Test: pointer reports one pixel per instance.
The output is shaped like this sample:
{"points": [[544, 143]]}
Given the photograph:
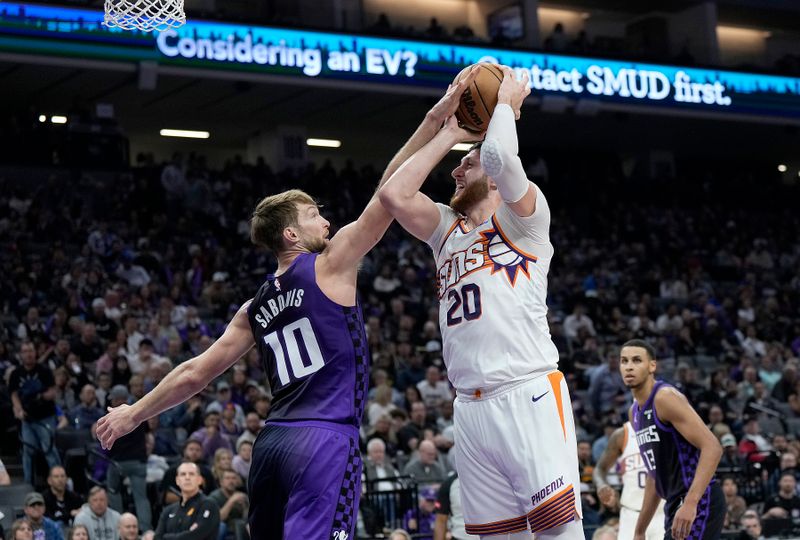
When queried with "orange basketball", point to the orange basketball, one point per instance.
{"points": [[479, 99]]}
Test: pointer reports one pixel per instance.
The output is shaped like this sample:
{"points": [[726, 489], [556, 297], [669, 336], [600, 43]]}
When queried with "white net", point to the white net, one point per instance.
{"points": [[145, 15]]}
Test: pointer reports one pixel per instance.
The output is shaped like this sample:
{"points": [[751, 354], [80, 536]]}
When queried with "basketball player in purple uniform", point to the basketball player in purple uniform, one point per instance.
{"points": [[307, 325], [679, 451]]}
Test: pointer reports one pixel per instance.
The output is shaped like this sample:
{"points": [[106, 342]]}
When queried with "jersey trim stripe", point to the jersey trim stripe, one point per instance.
{"points": [[513, 525], [555, 379], [558, 510], [452, 228]]}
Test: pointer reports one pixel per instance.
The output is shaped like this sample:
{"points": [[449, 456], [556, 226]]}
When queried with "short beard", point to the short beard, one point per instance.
{"points": [[470, 196], [316, 245]]}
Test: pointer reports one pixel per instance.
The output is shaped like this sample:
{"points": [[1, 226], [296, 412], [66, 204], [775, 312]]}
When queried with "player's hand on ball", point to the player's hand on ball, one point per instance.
{"points": [[117, 423], [512, 91], [459, 134], [682, 524], [447, 105]]}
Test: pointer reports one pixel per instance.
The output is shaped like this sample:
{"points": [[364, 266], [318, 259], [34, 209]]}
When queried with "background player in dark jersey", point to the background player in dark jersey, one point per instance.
{"points": [[305, 321], [679, 451]]}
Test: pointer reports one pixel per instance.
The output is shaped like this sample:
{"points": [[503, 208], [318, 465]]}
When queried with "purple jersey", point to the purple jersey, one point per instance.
{"points": [[670, 459], [314, 350]]}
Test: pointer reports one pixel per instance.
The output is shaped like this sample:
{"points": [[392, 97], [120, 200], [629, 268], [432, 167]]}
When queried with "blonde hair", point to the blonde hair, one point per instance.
{"points": [[273, 214]]}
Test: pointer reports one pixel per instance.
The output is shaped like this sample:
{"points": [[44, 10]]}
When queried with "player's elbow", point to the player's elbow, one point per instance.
{"points": [[391, 198], [714, 448]]}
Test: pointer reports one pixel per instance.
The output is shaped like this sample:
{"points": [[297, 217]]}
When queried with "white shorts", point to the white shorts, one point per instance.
{"points": [[627, 524], [516, 457]]}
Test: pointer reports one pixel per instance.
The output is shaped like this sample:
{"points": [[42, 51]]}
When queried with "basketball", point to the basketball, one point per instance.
{"points": [[480, 97], [501, 253]]}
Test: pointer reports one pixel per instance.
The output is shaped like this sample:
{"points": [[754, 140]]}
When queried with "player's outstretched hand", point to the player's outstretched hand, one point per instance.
{"points": [[682, 523], [447, 105], [117, 423], [513, 91]]}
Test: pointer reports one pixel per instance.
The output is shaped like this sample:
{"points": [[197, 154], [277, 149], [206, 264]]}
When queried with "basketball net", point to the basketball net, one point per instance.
{"points": [[144, 15]]}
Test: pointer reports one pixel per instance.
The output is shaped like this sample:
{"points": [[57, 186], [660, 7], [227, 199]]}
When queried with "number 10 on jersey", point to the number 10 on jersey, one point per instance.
{"points": [[291, 332]]}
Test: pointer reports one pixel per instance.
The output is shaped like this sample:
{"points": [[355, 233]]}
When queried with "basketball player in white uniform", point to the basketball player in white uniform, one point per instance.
{"points": [[516, 452], [622, 453]]}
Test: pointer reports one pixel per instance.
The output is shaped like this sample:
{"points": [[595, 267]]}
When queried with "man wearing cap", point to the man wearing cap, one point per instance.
{"points": [[730, 452], [195, 516], [423, 528], [223, 398], [130, 453], [43, 527]]}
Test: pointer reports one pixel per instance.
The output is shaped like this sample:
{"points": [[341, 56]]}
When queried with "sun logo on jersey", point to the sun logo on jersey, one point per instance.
{"points": [[491, 250], [504, 256]]}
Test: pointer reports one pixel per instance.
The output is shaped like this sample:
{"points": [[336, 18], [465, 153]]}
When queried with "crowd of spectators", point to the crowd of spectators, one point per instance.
{"points": [[108, 283]]}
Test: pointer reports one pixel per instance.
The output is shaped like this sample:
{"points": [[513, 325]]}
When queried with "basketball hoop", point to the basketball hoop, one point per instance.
{"points": [[144, 15]]}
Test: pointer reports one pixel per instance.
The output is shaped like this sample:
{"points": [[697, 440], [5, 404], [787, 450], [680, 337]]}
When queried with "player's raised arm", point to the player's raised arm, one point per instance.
{"points": [[181, 383], [674, 408], [613, 450], [414, 210], [353, 241], [499, 150]]}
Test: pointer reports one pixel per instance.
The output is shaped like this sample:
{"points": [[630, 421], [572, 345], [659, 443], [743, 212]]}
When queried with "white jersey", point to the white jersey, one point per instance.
{"points": [[633, 473], [492, 286]]}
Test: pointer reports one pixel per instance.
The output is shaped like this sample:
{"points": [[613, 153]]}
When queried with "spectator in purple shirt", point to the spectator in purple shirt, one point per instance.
{"points": [[211, 437]]}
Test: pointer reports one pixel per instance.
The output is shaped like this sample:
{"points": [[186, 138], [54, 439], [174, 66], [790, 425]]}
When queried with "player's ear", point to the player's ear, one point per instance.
{"points": [[492, 185], [291, 235]]}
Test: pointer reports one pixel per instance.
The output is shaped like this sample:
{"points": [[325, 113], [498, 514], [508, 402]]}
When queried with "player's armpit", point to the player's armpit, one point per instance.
{"points": [[353, 241]]}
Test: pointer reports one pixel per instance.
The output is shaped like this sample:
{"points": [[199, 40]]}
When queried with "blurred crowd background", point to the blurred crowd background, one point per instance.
{"points": [[108, 283]]}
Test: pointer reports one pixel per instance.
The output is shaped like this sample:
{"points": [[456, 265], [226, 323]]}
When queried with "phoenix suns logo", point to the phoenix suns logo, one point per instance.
{"points": [[491, 251]]}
